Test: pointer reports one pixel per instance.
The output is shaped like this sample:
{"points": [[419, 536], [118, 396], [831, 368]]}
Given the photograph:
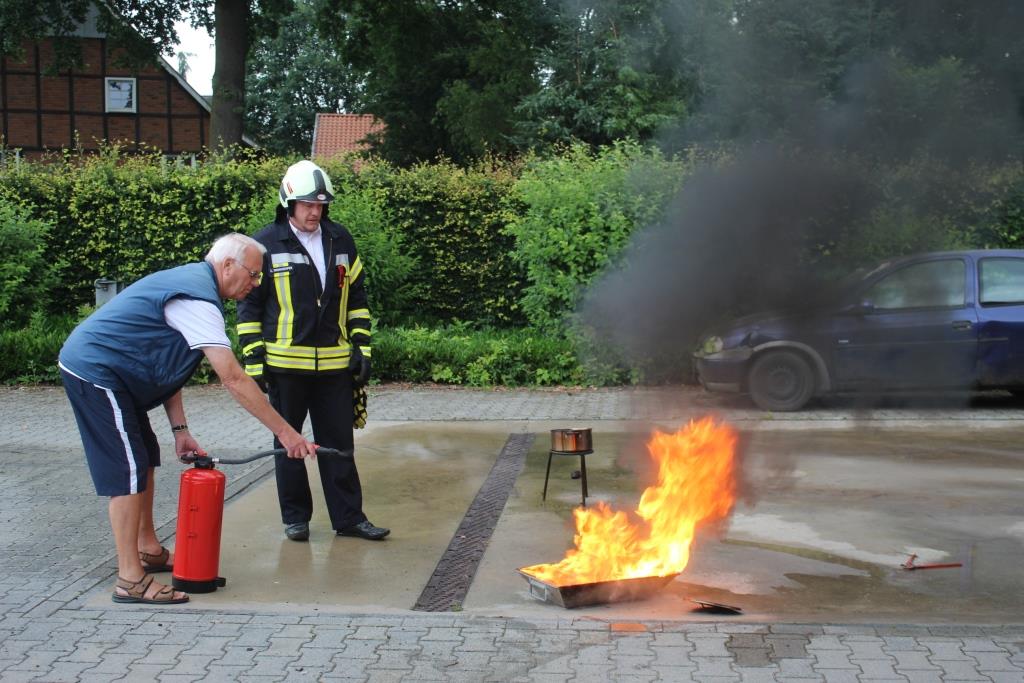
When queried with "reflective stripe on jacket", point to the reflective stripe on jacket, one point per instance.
{"points": [[291, 322]]}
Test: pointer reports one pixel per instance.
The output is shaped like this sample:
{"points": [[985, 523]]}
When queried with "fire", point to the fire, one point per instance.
{"points": [[696, 484]]}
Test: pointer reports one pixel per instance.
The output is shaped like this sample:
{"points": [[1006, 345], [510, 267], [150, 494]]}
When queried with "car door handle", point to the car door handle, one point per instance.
{"points": [[961, 324]]}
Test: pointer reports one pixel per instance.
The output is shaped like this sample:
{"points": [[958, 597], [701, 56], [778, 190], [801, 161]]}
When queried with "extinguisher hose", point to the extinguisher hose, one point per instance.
{"points": [[328, 452]]}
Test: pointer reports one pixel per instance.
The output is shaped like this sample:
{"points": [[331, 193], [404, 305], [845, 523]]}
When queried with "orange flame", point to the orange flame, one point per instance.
{"points": [[696, 484]]}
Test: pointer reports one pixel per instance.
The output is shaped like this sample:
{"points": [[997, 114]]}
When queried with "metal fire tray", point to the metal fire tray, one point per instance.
{"points": [[598, 593]]}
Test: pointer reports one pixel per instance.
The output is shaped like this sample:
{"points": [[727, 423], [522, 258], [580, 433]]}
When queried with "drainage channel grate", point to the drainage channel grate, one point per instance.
{"points": [[450, 582]]}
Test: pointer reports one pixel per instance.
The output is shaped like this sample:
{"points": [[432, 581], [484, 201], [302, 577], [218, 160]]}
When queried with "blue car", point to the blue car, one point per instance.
{"points": [[943, 320]]}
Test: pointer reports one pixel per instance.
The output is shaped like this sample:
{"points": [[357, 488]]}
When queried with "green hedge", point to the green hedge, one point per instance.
{"points": [[453, 219], [579, 212], [499, 246]]}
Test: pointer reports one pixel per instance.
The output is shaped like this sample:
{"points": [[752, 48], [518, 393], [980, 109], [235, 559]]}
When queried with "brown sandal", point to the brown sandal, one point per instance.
{"points": [[154, 564], [136, 592]]}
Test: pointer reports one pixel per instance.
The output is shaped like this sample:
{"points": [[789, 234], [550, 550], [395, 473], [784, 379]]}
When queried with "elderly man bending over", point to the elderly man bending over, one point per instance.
{"points": [[137, 352]]}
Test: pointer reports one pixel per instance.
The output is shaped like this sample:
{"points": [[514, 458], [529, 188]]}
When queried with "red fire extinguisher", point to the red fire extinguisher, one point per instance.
{"points": [[200, 513]]}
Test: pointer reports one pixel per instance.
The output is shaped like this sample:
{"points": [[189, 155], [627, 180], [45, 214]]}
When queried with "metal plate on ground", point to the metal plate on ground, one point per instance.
{"points": [[597, 593], [715, 607]]}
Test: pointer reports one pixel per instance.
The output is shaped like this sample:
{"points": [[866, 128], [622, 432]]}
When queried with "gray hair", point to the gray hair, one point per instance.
{"points": [[232, 246]]}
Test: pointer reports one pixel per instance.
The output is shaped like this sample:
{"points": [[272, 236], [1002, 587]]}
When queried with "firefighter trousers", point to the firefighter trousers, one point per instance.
{"points": [[327, 400]]}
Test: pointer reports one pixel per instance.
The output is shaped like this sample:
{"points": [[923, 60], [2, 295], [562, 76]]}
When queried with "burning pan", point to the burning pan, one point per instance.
{"points": [[572, 440], [599, 593]]}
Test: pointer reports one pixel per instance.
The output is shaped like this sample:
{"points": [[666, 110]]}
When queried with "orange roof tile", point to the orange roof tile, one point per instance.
{"points": [[335, 134]]}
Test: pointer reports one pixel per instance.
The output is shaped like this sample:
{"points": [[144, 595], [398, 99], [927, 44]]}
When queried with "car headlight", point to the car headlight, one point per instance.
{"points": [[712, 345]]}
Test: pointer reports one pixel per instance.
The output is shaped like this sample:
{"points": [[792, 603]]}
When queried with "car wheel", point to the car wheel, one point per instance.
{"points": [[781, 381]]}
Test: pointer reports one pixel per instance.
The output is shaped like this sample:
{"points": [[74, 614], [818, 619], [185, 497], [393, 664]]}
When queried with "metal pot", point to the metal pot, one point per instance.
{"points": [[571, 440]]}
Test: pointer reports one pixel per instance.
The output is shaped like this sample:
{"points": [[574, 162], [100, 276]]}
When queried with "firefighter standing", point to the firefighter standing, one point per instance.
{"points": [[305, 333]]}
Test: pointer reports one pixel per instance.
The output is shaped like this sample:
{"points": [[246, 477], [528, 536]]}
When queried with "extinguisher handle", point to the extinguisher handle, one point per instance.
{"points": [[329, 452]]}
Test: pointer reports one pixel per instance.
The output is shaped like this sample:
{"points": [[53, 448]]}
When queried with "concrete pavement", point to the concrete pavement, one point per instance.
{"points": [[56, 565]]}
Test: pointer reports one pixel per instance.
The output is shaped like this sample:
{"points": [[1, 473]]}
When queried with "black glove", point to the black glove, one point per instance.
{"points": [[262, 384], [359, 366]]}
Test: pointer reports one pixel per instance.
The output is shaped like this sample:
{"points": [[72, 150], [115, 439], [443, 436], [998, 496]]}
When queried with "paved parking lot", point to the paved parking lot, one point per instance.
{"points": [[56, 558]]}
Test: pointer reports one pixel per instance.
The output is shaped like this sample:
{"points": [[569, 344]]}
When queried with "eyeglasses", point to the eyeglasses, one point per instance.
{"points": [[256, 275]]}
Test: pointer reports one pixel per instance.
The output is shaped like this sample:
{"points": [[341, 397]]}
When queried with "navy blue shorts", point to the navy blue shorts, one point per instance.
{"points": [[120, 445]]}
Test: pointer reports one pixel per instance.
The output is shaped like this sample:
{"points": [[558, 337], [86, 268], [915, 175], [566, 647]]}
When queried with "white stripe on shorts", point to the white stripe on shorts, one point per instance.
{"points": [[133, 478]]}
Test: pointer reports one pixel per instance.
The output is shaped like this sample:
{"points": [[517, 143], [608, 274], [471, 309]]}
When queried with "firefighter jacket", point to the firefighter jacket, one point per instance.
{"points": [[292, 324]]}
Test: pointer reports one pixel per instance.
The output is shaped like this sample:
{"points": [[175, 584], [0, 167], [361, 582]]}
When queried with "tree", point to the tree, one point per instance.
{"points": [[290, 78], [617, 70], [443, 76]]}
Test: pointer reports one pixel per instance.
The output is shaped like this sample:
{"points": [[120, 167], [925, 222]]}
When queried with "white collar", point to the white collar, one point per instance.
{"points": [[305, 237]]}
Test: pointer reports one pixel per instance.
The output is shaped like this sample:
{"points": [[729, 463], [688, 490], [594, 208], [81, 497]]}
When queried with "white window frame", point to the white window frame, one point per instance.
{"points": [[113, 108]]}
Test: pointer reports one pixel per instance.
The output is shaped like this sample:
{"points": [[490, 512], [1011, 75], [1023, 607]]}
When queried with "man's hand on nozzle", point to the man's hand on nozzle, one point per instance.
{"points": [[296, 444], [359, 366]]}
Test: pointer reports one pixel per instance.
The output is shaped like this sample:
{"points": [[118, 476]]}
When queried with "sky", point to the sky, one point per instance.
{"points": [[200, 62]]}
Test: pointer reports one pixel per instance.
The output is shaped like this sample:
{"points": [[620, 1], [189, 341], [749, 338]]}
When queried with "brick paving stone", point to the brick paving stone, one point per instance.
{"points": [[709, 645], [685, 627], [994, 661], [405, 638], [593, 672], [284, 647], [746, 640], [674, 673], [239, 656], [369, 632], [265, 665], [352, 665], [850, 630], [840, 676], [787, 647], [826, 642], [86, 652], [713, 666], [867, 649], [141, 672], [443, 633], [833, 659], [329, 637], [751, 657], [921, 676], [361, 649], [191, 665], [799, 629], [671, 656], [392, 659], [756, 675], [912, 660], [943, 650], [956, 630], [1005, 677], [631, 665], [973, 644], [959, 669], [799, 668], [901, 643], [875, 669], [512, 653], [314, 657]]}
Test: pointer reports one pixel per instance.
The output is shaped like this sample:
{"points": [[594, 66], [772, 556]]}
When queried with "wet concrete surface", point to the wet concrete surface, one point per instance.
{"points": [[826, 518]]}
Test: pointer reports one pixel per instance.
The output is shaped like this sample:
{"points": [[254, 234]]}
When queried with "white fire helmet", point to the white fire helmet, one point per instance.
{"points": [[306, 182]]}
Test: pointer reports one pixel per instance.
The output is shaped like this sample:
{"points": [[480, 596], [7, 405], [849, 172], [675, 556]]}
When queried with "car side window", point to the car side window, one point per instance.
{"points": [[934, 284], [1001, 281]]}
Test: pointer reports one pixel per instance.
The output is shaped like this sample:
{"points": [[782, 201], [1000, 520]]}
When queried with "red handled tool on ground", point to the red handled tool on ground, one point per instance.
{"points": [[200, 514], [909, 564]]}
